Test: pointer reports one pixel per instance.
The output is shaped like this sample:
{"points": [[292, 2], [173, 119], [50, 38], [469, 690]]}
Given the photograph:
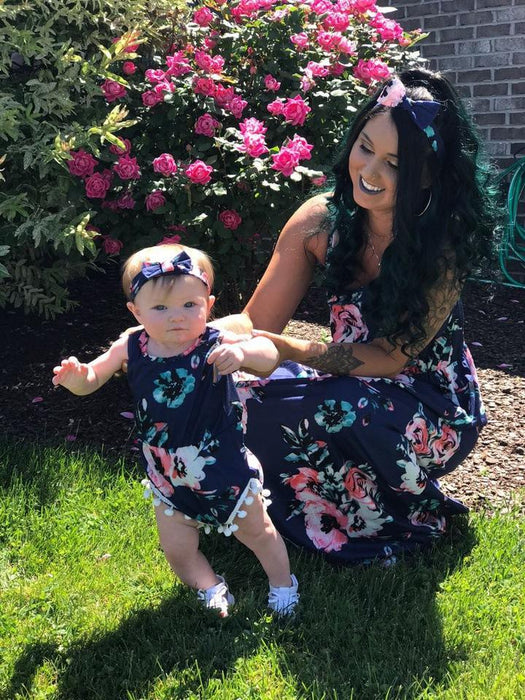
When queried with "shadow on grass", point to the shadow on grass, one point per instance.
{"points": [[363, 633]]}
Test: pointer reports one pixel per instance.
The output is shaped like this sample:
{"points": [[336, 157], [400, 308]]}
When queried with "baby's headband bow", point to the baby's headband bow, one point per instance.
{"points": [[181, 264], [422, 112]]}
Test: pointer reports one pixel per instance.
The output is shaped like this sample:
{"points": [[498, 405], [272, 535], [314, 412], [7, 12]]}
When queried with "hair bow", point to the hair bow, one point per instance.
{"points": [[181, 264], [422, 112]]}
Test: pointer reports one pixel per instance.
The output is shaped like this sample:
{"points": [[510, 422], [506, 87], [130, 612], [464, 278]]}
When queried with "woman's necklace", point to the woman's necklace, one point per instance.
{"points": [[372, 248]]}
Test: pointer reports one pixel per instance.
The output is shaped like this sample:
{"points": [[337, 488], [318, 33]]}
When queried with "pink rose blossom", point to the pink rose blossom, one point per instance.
{"points": [[337, 69], [271, 83], [127, 168], [361, 6], [347, 46], [372, 70], [230, 219], [300, 40], [295, 110], [254, 145], [111, 246], [112, 90], [318, 70], [236, 106], [285, 161], [319, 181], [205, 86], [307, 83], [178, 64], [206, 125], [97, 186], [328, 40], [210, 64], [177, 227], [223, 95], [82, 163], [165, 164], [117, 151], [151, 98], [126, 201], [155, 200], [128, 67], [155, 75], [275, 107], [321, 6], [300, 146], [337, 21], [203, 16], [252, 126], [199, 173], [388, 29], [170, 240]]}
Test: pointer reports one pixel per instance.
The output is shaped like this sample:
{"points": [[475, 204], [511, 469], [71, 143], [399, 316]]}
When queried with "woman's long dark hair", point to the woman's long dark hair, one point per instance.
{"points": [[455, 233]]}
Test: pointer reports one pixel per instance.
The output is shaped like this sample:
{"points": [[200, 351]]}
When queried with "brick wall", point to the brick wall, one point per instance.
{"points": [[480, 46]]}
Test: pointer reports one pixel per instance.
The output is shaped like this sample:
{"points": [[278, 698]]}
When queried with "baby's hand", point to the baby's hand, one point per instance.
{"points": [[71, 374], [227, 358]]}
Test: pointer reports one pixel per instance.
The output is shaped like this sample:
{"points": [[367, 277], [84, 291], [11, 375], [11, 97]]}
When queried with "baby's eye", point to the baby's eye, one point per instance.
{"points": [[189, 304], [159, 307]]}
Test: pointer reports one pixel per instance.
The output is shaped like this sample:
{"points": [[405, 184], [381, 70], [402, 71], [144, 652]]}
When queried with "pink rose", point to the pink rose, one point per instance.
{"points": [[203, 16], [254, 145], [170, 240], [82, 163], [322, 6], [327, 40], [128, 67], [178, 64], [204, 86], [112, 90], [307, 83], [199, 173], [319, 182], [285, 161], [295, 110], [252, 126], [97, 186], [318, 70], [165, 164], [210, 64], [111, 246], [300, 40], [236, 106], [127, 168], [388, 29], [338, 21], [126, 201], [155, 75], [116, 150], [230, 219], [206, 125], [275, 107], [271, 83], [151, 98], [300, 146], [347, 46], [155, 200], [223, 95], [361, 6], [369, 71]]}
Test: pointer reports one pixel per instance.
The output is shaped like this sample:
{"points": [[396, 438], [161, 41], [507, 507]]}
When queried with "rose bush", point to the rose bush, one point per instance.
{"points": [[228, 129]]}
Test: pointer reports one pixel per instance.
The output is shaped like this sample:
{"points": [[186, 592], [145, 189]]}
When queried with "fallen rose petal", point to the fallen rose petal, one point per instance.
{"points": [[37, 399], [504, 365], [71, 438], [502, 318], [515, 301], [127, 414], [478, 345]]}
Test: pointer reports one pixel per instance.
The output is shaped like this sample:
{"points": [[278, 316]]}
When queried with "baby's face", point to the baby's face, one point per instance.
{"points": [[173, 311]]}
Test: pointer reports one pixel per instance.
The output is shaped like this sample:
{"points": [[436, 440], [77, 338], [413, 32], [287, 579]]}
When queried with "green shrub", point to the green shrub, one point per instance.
{"points": [[226, 185]]}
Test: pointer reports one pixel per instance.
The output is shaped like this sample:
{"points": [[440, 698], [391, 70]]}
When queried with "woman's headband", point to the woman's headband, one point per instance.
{"points": [[422, 112], [181, 264]]}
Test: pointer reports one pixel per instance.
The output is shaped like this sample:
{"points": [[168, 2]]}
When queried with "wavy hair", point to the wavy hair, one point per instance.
{"points": [[456, 234]]}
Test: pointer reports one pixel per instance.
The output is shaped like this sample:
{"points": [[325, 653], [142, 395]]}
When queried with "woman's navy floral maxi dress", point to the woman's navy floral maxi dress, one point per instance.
{"points": [[352, 462]]}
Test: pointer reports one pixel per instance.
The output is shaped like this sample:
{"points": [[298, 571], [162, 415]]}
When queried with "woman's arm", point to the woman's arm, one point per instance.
{"points": [[82, 379], [256, 355], [379, 357]]}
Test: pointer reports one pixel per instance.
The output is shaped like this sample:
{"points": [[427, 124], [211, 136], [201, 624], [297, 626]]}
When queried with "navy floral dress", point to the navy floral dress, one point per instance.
{"points": [[191, 434], [352, 462]]}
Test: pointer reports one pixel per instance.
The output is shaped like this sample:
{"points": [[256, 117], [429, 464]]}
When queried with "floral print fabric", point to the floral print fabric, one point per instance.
{"points": [[353, 462], [191, 434]]}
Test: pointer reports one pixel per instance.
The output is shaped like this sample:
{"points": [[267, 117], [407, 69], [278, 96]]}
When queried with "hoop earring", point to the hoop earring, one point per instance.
{"points": [[428, 203]]}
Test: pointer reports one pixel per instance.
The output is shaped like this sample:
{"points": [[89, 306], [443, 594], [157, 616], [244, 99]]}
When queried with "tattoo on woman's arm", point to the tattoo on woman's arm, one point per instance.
{"points": [[338, 359]]}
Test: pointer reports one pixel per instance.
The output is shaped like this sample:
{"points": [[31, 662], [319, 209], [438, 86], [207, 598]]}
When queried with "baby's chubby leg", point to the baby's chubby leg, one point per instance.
{"points": [[257, 532], [179, 539]]}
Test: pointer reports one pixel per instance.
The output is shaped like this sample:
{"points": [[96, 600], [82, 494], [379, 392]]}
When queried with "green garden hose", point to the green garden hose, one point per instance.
{"points": [[512, 250]]}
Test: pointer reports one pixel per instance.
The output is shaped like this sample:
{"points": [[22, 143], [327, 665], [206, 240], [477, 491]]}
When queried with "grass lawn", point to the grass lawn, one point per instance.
{"points": [[89, 608]]}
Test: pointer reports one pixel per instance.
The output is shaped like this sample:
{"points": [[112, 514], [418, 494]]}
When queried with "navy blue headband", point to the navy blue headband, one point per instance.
{"points": [[181, 264], [422, 112]]}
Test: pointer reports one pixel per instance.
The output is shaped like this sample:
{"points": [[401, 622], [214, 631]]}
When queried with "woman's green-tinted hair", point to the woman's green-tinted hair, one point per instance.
{"points": [[455, 233]]}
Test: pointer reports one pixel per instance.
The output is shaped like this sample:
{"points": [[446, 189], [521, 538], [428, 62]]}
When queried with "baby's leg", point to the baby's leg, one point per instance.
{"points": [[179, 539], [258, 533]]}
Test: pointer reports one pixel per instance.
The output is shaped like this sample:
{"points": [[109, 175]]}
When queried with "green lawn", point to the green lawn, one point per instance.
{"points": [[89, 609]]}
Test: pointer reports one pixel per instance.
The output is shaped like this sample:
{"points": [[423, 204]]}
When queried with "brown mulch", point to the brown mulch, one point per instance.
{"points": [[33, 411]]}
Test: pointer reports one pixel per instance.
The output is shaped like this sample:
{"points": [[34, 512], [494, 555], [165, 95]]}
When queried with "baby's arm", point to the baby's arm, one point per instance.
{"points": [[252, 355], [82, 379]]}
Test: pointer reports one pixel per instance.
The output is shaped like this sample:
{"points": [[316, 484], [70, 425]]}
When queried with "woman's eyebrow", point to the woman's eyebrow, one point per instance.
{"points": [[365, 135]]}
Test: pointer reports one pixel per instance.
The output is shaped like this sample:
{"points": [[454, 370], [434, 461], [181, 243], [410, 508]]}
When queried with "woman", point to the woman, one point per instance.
{"points": [[352, 461]]}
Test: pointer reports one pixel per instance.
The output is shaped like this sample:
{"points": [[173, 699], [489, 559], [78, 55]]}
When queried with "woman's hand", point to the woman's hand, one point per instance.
{"points": [[295, 349]]}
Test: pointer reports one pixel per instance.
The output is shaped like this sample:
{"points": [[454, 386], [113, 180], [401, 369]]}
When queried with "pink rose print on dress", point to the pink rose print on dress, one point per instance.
{"points": [[445, 444], [156, 478], [347, 324], [325, 525], [306, 484], [184, 467], [360, 487]]}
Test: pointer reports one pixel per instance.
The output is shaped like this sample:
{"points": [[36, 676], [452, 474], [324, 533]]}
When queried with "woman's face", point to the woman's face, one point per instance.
{"points": [[373, 164]]}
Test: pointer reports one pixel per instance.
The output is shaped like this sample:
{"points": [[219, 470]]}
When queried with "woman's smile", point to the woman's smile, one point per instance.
{"points": [[368, 187]]}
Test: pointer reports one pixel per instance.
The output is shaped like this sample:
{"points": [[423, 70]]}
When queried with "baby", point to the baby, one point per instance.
{"points": [[190, 420]]}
